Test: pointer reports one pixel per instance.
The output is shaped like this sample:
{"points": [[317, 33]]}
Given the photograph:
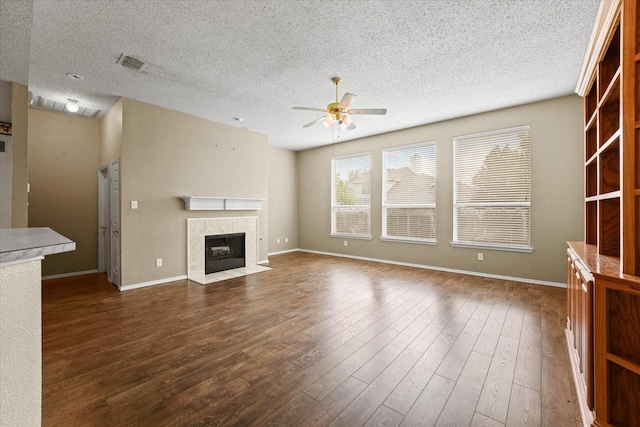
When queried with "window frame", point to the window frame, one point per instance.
{"points": [[336, 208], [416, 240], [488, 245]]}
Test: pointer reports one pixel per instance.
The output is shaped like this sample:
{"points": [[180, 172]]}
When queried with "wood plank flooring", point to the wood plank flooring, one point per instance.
{"points": [[315, 341]]}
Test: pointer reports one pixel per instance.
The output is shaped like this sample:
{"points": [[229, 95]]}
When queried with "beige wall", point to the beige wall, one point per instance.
{"points": [[63, 169], [283, 200], [19, 120], [166, 154], [6, 176], [111, 135], [556, 201]]}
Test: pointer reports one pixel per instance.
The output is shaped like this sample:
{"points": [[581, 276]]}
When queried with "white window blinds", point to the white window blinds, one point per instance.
{"points": [[492, 189], [409, 192], [351, 195]]}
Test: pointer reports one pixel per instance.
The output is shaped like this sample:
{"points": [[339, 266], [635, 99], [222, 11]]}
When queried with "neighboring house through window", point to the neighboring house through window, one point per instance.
{"points": [[351, 196], [409, 193], [492, 190]]}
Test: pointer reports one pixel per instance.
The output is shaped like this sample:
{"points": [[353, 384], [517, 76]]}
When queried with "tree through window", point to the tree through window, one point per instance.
{"points": [[492, 189], [351, 196]]}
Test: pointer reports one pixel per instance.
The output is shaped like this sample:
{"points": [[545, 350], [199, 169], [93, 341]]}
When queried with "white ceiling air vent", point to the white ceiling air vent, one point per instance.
{"points": [[52, 104], [131, 63]]}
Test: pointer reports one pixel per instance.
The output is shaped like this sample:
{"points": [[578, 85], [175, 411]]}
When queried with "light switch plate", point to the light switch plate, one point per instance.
{"points": [[134, 204]]}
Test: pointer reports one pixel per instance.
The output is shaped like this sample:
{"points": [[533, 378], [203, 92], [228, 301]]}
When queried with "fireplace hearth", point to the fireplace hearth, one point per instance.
{"points": [[224, 252], [197, 231]]}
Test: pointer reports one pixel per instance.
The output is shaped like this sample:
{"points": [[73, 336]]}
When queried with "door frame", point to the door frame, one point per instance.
{"points": [[108, 246], [103, 219]]}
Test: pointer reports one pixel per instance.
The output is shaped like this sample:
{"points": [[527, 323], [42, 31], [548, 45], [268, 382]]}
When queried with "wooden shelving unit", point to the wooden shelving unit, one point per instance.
{"points": [[603, 273]]}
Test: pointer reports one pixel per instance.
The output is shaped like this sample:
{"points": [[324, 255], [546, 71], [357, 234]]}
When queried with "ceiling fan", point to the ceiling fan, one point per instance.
{"points": [[337, 111]]}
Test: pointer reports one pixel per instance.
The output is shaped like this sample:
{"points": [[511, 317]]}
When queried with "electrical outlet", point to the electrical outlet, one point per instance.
{"points": [[480, 256], [278, 241], [134, 204], [159, 262], [346, 243], [286, 240]]}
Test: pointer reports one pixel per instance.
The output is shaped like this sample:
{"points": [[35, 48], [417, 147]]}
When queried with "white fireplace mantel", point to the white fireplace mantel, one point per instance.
{"points": [[204, 203]]}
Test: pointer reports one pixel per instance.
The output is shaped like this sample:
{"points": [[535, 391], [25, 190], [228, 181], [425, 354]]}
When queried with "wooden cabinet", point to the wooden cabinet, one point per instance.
{"points": [[603, 336], [603, 273], [580, 330]]}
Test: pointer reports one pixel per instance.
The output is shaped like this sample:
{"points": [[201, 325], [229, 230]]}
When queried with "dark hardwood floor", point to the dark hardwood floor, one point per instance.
{"points": [[318, 340]]}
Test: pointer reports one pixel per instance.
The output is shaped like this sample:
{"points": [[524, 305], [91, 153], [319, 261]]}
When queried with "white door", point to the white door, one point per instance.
{"points": [[103, 220], [114, 222]]}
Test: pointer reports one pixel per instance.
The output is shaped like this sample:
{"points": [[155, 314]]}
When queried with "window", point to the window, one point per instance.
{"points": [[409, 193], [351, 196], [492, 189]]}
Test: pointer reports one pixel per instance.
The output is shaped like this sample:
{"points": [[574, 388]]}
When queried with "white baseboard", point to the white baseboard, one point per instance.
{"points": [[578, 381], [265, 261], [75, 273], [151, 283], [449, 270], [283, 252]]}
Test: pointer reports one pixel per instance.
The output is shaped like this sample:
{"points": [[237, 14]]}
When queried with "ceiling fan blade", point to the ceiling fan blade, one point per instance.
{"points": [[378, 111], [351, 126], [322, 110], [346, 100], [314, 122]]}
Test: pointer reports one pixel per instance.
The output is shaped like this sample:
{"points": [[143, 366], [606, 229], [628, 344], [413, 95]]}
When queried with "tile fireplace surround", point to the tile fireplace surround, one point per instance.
{"points": [[198, 228]]}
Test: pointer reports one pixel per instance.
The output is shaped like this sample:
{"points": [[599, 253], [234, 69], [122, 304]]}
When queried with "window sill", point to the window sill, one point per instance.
{"points": [[414, 241], [351, 236], [525, 249]]}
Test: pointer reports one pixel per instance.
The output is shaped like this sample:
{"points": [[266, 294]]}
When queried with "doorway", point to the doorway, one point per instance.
{"points": [[109, 221]]}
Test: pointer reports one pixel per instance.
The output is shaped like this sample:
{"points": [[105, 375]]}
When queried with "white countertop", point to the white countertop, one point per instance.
{"points": [[24, 243]]}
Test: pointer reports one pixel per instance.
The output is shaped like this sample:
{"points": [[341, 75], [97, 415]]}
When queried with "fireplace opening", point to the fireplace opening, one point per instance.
{"points": [[223, 252]]}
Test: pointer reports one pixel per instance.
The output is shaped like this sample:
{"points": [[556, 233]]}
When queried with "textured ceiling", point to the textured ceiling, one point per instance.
{"points": [[425, 61]]}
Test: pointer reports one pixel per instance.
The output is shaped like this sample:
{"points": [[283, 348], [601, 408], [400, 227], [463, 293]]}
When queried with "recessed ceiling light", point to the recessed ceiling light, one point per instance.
{"points": [[72, 106], [75, 76]]}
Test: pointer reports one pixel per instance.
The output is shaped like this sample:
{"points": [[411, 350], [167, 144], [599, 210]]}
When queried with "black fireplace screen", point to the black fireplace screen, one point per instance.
{"points": [[223, 252]]}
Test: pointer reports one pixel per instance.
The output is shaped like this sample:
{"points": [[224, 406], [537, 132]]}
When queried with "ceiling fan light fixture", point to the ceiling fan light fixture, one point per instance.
{"points": [[328, 121], [338, 111]]}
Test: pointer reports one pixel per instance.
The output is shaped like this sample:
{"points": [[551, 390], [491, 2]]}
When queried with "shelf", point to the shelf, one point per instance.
{"points": [[609, 116], [591, 220], [623, 326], [609, 165], [611, 195], [624, 362], [610, 64], [611, 93], [591, 141], [624, 396], [612, 139], [591, 103], [591, 180], [609, 227], [203, 203]]}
